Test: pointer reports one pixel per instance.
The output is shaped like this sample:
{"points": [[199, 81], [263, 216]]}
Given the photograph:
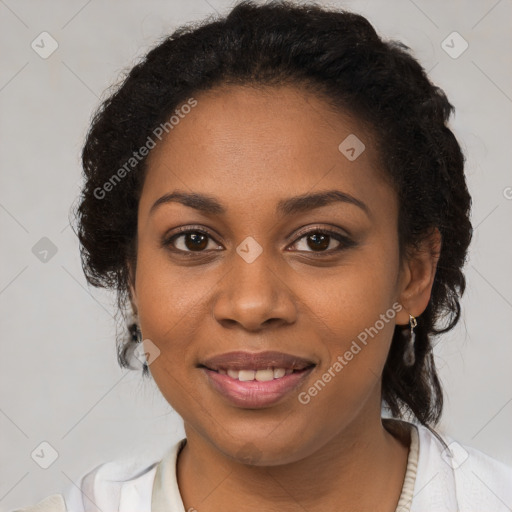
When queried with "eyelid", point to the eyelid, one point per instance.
{"points": [[167, 239], [344, 241], [319, 227]]}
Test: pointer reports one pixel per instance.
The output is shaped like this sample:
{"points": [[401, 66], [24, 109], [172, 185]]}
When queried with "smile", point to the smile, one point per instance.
{"points": [[262, 375], [248, 390]]}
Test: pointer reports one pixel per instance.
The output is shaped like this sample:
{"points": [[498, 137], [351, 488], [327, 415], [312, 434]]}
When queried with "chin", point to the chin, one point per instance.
{"points": [[262, 452]]}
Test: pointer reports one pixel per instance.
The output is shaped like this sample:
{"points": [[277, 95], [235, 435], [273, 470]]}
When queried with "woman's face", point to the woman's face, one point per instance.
{"points": [[267, 277]]}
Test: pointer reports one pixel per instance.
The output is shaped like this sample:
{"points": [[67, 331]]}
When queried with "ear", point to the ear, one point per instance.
{"points": [[418, 273]]}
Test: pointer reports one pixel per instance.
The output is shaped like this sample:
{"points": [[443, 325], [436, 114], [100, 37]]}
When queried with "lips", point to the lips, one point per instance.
{"points": [[241, 360]]}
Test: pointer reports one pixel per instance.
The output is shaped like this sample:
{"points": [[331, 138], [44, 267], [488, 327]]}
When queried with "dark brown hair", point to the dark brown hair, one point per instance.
{"points": [[338, 55]]}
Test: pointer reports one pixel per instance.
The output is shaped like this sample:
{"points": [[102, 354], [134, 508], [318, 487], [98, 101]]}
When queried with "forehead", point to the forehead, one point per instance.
{"points": [[255, 144]]}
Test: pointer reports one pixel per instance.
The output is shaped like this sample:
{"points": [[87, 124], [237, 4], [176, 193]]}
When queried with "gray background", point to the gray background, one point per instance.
{"points": [[59, 378]]}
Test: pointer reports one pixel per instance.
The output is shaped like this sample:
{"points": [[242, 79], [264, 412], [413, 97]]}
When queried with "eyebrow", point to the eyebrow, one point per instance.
{"points": [[211, 206]]}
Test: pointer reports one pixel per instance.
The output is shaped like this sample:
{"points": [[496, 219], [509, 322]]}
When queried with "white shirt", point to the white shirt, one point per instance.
{"points": [[456, 478]]}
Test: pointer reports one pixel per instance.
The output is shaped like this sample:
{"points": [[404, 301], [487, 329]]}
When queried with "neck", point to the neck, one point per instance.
{"points": [[361, 468]]}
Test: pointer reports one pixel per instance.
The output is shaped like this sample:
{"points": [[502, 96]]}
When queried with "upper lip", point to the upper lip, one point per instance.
{"points": [[256, 360]]}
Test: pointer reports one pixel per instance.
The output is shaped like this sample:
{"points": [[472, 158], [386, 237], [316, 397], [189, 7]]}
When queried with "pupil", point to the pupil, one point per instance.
{"points": [[320, 241]]}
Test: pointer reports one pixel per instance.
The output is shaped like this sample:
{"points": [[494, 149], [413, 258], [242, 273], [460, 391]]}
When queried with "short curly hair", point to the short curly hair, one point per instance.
{"points": [[339, 56]]}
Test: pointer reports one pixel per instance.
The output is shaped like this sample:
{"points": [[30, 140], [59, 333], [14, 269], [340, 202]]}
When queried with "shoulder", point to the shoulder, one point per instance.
{"points": [[121, 484], [454, 476], [53, 503]]}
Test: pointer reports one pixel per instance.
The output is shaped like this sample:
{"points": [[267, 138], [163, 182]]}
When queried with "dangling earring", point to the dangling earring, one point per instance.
{"points": [[134, 328], [138, 333], [409, 354]]}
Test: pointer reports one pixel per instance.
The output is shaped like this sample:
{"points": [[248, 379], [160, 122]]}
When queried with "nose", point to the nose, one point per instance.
{"points": [[254, 296]]}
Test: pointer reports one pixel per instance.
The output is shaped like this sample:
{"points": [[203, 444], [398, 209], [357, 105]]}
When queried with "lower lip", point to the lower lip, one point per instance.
{"points": [[254, 394]]}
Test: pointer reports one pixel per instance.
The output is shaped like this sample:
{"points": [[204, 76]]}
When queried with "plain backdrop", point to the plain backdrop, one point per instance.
{"points": [[60, 383]]}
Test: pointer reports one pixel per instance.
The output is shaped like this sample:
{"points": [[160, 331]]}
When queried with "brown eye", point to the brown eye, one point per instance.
{"points": [[195, 241], [320, 241], [190, 240], [316, 241]]}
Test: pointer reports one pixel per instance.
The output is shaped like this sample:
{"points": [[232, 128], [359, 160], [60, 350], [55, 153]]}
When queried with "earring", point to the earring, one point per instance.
{"points": [[409, 355], [138, 333], [135, 332]]}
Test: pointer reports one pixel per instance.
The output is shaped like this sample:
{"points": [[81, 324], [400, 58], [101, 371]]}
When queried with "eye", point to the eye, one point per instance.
{"points": [[193, 240], [196, 240], [321, 241]]}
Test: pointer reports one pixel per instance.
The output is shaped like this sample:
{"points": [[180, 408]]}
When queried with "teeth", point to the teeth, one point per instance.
{"points": [[233, 374], [259, 375], [246, 375], [264, 375]]}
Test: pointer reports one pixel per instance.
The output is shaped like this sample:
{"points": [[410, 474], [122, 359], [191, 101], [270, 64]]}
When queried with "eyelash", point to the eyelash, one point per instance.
{"points": [[345, 242]]}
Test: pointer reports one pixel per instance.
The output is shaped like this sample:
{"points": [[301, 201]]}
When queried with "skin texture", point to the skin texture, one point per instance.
{"points": [[250, 148]]}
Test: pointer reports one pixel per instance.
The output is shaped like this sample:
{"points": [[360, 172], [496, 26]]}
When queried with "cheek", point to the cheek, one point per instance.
{"points": [[166, 303], [170, 301], [357, 328], [352, 297], [166, 294], [359, 324], [357, 307]]}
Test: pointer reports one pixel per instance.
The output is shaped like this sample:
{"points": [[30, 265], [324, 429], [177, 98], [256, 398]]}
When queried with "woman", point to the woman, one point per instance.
{"points": [[277, 199]]}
